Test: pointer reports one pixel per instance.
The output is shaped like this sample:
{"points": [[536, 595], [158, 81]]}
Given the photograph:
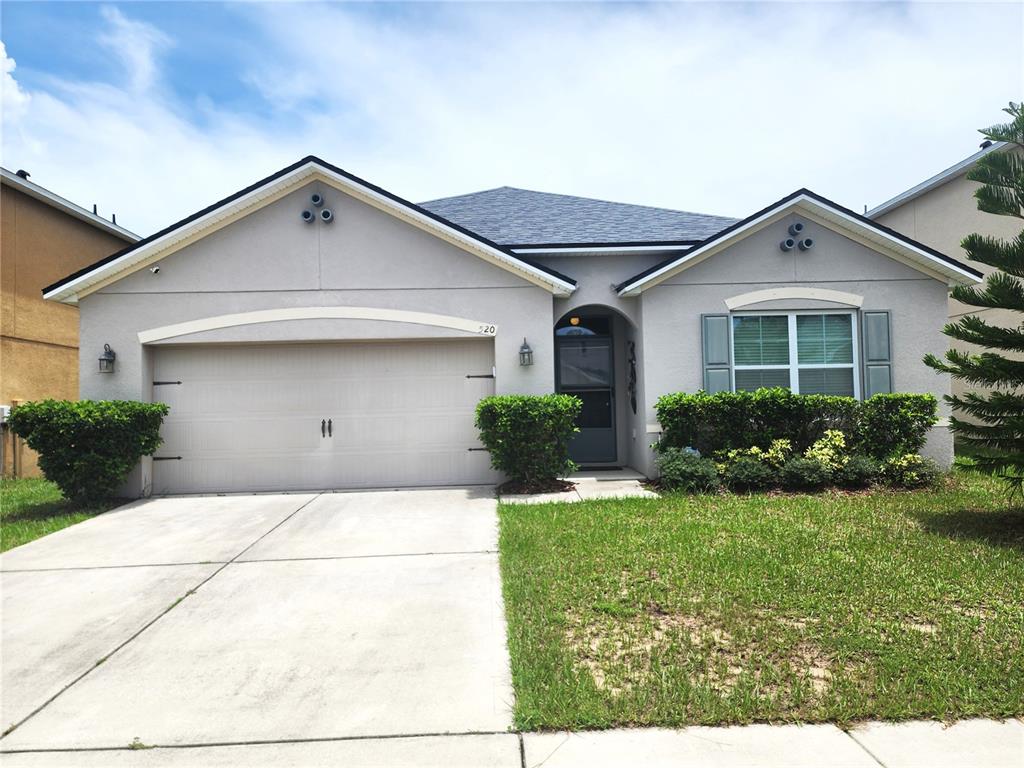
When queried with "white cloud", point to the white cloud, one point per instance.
{"points": [[717, 108], [136, 44], [13, 100]]}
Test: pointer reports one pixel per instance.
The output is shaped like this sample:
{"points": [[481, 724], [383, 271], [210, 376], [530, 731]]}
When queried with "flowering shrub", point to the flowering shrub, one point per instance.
{"points": [[910, 470], [829, 451], [774, 456]]}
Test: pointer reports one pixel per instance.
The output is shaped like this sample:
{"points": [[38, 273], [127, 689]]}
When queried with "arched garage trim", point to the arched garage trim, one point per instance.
{"points": [[217, 322], [795, 292]]}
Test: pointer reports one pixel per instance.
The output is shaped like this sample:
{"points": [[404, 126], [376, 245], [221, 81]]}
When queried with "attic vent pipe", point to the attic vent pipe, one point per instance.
{"points": [[984, 145], [22, 173]]}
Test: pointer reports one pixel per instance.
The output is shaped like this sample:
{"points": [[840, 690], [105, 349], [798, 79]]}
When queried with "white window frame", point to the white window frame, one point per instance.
{"points": [[795, 366]]}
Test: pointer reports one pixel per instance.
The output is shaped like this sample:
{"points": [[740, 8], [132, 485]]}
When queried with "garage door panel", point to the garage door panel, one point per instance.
{"points": [[249, 417], [401, 430], [255, 436]]}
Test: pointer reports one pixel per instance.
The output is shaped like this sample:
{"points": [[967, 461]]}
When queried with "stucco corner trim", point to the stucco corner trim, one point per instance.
{"points": [[794, 292], [217, 322]]}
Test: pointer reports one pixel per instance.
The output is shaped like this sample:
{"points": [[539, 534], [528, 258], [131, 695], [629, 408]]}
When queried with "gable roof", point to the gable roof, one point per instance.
{"points": [[310, 168], [59, 203], [906, 249], [523, 218], [935, 181]]}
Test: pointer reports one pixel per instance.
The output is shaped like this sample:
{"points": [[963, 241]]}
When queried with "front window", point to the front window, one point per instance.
{"points": [[806, 353]]}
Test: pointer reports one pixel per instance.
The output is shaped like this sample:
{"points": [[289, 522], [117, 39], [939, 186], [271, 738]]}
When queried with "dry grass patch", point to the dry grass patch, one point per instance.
{"points": [[733, 609]]}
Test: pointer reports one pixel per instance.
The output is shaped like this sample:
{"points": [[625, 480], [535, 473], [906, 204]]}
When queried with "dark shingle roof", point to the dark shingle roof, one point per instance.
{"points": [[512, 216]]}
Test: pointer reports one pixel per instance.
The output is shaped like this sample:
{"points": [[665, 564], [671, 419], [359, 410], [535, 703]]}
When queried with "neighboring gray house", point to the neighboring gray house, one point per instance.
{"points": [[316, 331], [940, 212]]}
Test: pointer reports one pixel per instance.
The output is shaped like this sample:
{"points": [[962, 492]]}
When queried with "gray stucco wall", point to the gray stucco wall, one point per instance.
{"points": [[271, 259], [917, 303], [367, 258]]}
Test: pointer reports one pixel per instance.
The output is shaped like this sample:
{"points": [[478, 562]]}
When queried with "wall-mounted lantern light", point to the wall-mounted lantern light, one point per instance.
{"points": [[107, 359], [525, 354]]}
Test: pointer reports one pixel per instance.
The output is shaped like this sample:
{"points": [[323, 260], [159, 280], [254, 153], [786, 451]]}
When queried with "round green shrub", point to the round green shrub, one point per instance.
{"points": [[686, 471], [859, 472], [528, 436], [910, 470], [803, 474], [748, 474], [88, 447]]}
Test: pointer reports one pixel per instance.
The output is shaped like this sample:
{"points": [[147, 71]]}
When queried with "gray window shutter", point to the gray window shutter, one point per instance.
{"points": [[877, 353], [717, 362]]}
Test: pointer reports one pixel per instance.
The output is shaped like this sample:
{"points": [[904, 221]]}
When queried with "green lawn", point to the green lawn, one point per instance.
{"points": [[732, 609], [32, 507]]}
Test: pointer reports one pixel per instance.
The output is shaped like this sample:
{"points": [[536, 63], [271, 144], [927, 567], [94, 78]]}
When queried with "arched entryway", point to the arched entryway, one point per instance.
{"points": [[595, 360]]}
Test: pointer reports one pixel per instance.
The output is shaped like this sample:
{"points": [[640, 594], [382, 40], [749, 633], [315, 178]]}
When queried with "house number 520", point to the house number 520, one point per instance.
{"points": [[486, 330]]}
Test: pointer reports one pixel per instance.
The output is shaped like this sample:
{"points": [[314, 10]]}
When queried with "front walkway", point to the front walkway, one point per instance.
{"points": [[591, 484]]}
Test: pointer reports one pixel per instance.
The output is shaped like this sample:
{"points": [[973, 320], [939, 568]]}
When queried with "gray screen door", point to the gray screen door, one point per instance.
{"points": [[585, 370]]}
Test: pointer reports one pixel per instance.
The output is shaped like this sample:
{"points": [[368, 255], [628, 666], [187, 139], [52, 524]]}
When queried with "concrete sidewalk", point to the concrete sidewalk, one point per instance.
{"points": [[967, 744]]}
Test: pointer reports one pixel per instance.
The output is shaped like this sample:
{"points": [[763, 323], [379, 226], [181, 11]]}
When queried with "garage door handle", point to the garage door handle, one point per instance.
{"points": [[323, 428], [329, 432]]}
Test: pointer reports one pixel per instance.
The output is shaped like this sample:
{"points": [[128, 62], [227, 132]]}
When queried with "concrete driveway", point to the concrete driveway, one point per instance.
{"points": [[284, 619]]}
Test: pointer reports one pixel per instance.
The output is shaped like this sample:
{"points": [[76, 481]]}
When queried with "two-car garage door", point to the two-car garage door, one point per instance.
{"points": [[317, 416]]}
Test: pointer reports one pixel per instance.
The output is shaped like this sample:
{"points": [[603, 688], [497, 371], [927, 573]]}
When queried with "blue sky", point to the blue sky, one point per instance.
{"points": [[155, 109]]}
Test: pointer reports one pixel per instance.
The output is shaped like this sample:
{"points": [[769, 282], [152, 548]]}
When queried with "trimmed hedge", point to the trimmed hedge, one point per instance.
{"points": [[891, 425], [528, 435], [880, 427], [88, 447]]}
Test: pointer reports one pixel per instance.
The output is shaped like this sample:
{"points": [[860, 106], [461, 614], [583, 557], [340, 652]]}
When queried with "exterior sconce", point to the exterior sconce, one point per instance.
{"points": [[525, 354], [107, 359]]}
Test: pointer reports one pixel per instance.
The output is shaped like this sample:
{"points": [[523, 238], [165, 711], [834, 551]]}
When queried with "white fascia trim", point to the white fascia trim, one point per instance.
{"points": [[605, 249], [935, 181], [959, 275], [679, 264], [315, 313], [69, 291], [794, 292], [66, 206]]}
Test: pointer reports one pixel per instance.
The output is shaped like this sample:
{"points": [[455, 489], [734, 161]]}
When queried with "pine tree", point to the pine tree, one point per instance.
{"points": [[995, 434]]}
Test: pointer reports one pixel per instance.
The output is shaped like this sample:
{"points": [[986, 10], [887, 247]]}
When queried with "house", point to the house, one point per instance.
{"points": [[42, 237], [940, 212], [316, 331]]}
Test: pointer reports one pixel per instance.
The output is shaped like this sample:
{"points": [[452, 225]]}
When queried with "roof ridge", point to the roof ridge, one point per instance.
{"points": [[464, 194], [581, 197]]}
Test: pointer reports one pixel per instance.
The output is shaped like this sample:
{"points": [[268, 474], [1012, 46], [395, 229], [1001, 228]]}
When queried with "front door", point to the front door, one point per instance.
{"points": [[584, 355]]}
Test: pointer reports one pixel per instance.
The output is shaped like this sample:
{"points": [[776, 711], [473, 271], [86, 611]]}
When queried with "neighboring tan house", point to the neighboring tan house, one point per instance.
{"points": [[316, 331], [42, 236], [941, 212]]}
